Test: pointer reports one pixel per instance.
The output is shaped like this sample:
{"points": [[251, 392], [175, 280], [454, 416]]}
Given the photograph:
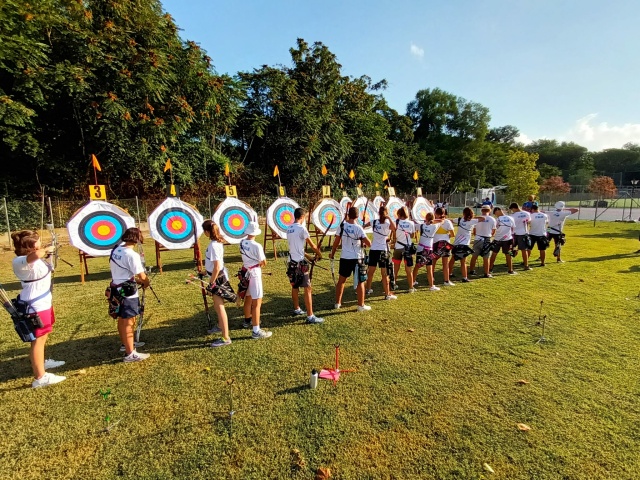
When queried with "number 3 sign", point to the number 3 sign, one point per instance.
{"points": [[97, 192]]}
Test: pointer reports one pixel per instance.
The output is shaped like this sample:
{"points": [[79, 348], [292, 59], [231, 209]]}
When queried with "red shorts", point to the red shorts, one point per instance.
{"points": [[48, 319]]}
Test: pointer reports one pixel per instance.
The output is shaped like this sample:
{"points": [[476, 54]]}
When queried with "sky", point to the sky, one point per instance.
{"points": [[559, 69]]}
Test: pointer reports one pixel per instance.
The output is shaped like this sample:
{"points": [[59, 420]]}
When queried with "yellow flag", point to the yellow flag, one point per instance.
{"points": [[167, 166], [226, 170], [376, 184], [94, 162], [276, 172], [324, 170], [352, 174], [173, 190], [415, 175], [385, 176]]}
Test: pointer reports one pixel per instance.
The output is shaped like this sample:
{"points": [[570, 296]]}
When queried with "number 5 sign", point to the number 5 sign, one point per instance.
{"points": [[97, 192]]}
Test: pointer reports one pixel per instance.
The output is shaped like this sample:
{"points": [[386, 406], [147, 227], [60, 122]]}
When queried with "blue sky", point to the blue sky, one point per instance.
{"points": [[564, 69]]}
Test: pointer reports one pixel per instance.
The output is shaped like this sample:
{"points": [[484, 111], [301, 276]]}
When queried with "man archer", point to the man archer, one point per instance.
{"points": [[298, 268]]}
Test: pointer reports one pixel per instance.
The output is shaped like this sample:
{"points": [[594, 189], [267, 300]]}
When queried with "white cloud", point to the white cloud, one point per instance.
{"points": [[594, 136], [416, 50]]}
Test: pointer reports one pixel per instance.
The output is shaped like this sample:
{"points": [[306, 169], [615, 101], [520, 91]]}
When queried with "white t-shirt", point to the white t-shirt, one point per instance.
{"points": [[351, 246], [521, 220], [504, 228], [40, 289], [297, 237], [442, 233], [539, 224], [556, 220], [252, 254], [125, 263], [405, 229], [427, 232], [484, 229], [215, 253], [380, 234], [465, 227]]}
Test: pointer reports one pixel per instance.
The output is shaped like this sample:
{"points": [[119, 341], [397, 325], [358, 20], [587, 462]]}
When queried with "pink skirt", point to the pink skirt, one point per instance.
{"points": [[48, 319]]}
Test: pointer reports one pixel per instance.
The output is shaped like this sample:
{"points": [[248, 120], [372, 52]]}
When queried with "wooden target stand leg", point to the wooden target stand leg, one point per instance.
{"points": [[270, 234], [84, 269], [197, 257]]}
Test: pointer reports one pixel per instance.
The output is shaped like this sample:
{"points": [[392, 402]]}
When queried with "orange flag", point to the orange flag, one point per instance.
{"points": [[415, 175], [385, 176], [352, 174], [324, 170], [94, 162], [167, 166], [276, 172], [226, 170]]}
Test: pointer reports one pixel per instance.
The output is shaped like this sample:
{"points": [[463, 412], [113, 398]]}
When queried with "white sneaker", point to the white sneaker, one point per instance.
{"points": [[449, 284], [337, 306], [415, 284], [261, 334], [299, 311], [434, 289], [364, 308], [390, 297], [370, 291], [135, 345], [136, 357], [50, 364], [47, 379], [412, 290]]}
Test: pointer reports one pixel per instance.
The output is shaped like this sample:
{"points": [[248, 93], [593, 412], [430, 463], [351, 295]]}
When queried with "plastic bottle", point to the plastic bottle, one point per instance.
{"points": [[313, 380]]}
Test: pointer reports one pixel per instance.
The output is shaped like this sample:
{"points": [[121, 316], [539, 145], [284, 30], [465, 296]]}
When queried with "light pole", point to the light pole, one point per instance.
{"points": [[633, 187]]}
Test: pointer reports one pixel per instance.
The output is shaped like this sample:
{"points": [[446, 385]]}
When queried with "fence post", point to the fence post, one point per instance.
{"points": [[210, 214], [6, 216], [138, 210], [59, 212]]}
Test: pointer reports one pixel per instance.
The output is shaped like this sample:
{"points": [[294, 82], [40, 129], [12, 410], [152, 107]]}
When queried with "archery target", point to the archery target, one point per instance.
{"points": [[175, 224], [232, 217], [327, 212], [372, 213], [344, 203], [97, 227], [420, 209], [280, 215], [377, 202], [394, 204]]}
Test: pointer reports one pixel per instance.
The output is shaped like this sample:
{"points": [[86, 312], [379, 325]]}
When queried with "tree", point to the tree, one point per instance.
{"points": [[603, 186], [506, 134], [555, 185], [521, 175], [562, 155], [548, 171]]}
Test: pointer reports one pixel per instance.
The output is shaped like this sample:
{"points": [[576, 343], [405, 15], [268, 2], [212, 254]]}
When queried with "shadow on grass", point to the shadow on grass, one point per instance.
{"points": [[617, 256], [629, 235]]}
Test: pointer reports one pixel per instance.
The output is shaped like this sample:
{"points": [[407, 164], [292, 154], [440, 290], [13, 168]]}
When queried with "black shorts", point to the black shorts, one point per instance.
{"points": [[442, 248], [461, 251], [541, 241], [505, 245], [129, 307], [522, 241], [556, 237], [347, 266], [401, 253], [377, 258]]}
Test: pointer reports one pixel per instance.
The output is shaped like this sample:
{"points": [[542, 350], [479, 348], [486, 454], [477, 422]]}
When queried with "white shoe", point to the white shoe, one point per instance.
{"points": [[50, 364], [412, 290], [337, 306], [47, 379], [136, 357], [364, 308], [135, 345], [390, 297], [449, 284], [415, 284], [370, 291], [434, 289], [261, 334]]}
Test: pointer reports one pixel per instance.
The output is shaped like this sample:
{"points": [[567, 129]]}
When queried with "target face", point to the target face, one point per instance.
{"points": [[377, 202], [344, 203], [420, 209], [97, 227], [280, 215], [372, 213], [232, 217], [327, 212], [175, 224], [394, 204]]}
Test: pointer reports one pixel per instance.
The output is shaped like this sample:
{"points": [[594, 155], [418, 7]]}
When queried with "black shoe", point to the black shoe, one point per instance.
{"points": [[488, 275], [466, 280], [473, 272]]}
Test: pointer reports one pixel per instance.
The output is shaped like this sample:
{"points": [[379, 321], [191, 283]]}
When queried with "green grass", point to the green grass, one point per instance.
{"points": [[436, 402]]}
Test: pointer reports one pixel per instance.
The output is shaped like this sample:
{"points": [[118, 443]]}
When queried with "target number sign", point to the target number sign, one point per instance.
{"points": [[232, 191], [326, 191], [282, 192], [419, 191], [97, 192], [392, 191]]}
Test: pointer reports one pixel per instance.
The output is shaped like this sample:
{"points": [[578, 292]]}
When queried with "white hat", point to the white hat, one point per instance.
{"points": [[559, 205], [253, 229]]}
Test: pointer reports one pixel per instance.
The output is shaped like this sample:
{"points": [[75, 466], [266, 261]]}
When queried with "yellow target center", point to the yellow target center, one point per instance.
{"points": [[236, 222], [104, 230], [287, 217], [176, 224]]}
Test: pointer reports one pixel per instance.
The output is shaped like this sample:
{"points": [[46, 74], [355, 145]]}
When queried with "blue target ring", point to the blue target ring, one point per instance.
{"points": [[325, 216], [283, 217], [101, 230], [234, 222], [175, 225]]}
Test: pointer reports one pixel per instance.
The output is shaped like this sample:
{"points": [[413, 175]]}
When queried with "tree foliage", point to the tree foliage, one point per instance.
{"points": [[603, 186], [522, 175], [555, 185]]}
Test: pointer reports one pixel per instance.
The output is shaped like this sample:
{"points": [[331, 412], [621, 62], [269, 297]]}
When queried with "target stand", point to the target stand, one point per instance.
{"points": [[160, 248], [84, 269], [270, 234]]}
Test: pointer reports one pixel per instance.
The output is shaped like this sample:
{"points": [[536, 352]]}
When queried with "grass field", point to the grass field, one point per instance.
{"points": [[437, 391]]}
